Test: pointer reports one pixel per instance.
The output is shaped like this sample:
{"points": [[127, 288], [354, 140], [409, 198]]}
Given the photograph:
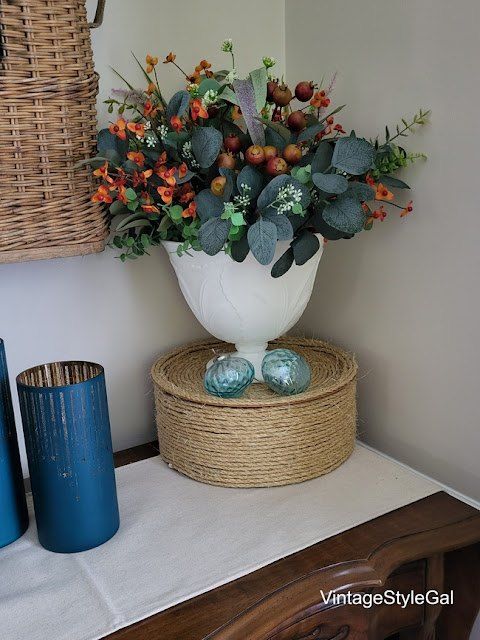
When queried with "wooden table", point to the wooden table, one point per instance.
{"points": [[430, 544]]}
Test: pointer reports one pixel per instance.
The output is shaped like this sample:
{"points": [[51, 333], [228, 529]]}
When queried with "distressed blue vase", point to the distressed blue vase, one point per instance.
{"points": [[13, 505], [69, 447]]}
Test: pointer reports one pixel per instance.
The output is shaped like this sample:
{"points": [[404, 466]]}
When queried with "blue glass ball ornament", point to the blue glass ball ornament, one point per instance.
{"points": [[228, 377], [286, 372]]}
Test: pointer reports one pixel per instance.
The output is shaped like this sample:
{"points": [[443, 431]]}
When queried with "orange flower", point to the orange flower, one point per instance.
{"points": [[383, 193], [170, 58], [102, 195], [140, 178], [162, 159], [151, 62], [194, 78], [118, 129], [168, 175], [320, 99], [149, 109], [151, 88], [166, 193], [339, 128], [186, 193], [197, 109], [190, 211], [121, 195], [176, 123], [369, 180], [204, 64], [147, 204], [407, 210], [209, 74], [137, 157], [379, 214], [182, 170], [137, 128], [102, 172]]}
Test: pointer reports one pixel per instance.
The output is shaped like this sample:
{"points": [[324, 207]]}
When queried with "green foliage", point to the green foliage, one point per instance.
{"points": [[111, 147], [364, 192], [283, 264], [213, 234], [330, 182], [259, 82], [322, 159], [253, 179], [178, 104], [262, 239], [206, 145], [305, 245], [345, 214], [283, 224], [353, 155], [208, 205]]}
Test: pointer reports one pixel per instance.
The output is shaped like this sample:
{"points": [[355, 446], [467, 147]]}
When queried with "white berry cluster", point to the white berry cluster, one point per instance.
{"points": [[287, 197], [210, 97], [163, 131], [188, 155]]}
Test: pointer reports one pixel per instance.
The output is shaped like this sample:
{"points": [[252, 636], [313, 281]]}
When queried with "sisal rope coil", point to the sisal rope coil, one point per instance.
{"points": [[48, 124], [261, 439]]}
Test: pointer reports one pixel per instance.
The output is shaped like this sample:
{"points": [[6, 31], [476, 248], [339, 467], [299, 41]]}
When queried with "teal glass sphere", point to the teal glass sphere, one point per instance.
{"points": [[286, 372], [228, 377]]}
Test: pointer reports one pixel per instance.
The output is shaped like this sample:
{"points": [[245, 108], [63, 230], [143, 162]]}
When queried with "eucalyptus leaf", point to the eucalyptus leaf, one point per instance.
{"points": [[322, 158], [353, 155], [262, 239], [208, 205], [213, 234], [319, 225], [277, 127], [108, 142], [253, 179], [395, 183], [230, 176], [364, 192], [206, 144], [310, 132], [240, 249], [283, 264], [305, 246], [178, 104], [345, 214], [283, 224], [270, 191], [228, 95], [274, 139], [330, 182], [209, 84], [259, 82]]}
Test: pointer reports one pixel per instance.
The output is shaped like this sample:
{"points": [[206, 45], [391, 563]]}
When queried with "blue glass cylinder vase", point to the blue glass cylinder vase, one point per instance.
{"points": [[13, 505], [70, 458]]}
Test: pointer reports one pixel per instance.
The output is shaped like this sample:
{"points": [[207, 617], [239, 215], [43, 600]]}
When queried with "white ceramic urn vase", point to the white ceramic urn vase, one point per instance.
{"points": [[241, 303]]}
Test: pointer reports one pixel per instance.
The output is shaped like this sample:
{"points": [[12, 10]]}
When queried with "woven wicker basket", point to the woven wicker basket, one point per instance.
{"points": [[261, 439], [48, 123]]}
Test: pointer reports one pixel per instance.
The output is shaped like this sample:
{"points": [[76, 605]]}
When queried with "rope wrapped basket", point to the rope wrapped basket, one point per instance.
{"points": [[261, 439]]}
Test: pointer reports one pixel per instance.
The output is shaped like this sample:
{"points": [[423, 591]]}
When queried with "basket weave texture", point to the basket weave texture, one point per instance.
{"points": [[48, 92], [261, 439]]}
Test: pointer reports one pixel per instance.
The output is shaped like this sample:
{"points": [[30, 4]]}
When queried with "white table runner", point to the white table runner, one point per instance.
{"points": [[179, 538]]}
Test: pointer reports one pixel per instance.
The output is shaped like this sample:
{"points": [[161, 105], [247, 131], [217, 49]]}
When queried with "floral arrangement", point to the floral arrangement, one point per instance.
{"points": [[236, 165]]}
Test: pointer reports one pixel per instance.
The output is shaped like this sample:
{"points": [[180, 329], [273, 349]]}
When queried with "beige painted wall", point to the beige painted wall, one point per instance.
{"points": [[405, 298], [94, 307]]}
